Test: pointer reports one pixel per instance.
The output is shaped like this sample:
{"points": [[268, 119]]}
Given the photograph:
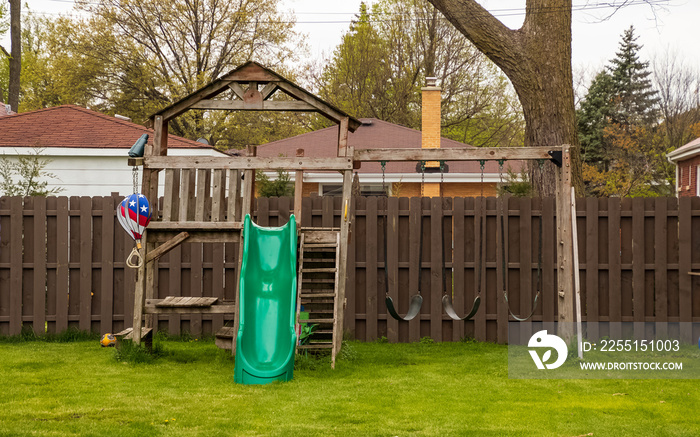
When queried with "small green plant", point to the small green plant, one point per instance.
{"points": [[130, 352], [382, 339], [348, 352], [517, 185], [26, 175], [426, 340]]}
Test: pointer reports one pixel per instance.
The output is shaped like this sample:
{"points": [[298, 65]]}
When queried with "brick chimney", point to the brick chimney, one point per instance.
{"points": [[430, 128]]}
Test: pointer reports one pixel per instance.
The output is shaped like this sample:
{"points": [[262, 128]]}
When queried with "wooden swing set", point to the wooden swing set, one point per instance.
{"points": [[206, 198]]}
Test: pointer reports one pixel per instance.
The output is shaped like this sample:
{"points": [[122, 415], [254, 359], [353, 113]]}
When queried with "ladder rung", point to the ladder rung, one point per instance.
{"points": [[317, 320], [319, 295], [315, 346], [322, 301], [321, 270]]}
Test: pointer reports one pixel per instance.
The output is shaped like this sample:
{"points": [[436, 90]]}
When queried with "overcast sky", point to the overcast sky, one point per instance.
{"points": [[671, 25]]}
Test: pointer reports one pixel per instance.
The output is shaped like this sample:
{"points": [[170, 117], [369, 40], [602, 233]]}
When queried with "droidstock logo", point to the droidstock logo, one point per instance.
{"points": [[543, 340]]}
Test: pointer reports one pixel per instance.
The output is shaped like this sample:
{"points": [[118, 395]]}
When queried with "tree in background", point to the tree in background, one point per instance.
{"points": [[15, 64], [279, 187], [4, 55], [537, 60], [618, 119], [136, 57], [635, 99], [381, 64], [678, 86]]}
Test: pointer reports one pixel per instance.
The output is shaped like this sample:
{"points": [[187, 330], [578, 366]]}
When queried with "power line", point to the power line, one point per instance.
{"points": [[498, 13]]}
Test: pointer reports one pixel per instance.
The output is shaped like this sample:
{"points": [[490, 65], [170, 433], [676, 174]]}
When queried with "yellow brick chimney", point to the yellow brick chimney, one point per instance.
{"points": [[430, 129]]}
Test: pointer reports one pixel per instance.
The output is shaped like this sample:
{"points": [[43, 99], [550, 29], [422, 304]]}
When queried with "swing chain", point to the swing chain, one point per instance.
{"points": [[383, 163], [500, 173], [482, 163], [422, 179], [135, 179]]}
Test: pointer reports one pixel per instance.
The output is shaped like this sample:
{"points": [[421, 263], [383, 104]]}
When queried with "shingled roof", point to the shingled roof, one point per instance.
{"points": [[72, 126], [373, 133]]}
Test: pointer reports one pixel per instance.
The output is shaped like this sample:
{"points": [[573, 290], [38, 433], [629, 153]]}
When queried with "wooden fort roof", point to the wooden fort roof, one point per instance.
{"points": [[244, 82]]}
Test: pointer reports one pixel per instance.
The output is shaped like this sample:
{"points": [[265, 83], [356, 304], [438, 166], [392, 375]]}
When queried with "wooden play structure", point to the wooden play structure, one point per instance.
{"points": [[206, 198]]}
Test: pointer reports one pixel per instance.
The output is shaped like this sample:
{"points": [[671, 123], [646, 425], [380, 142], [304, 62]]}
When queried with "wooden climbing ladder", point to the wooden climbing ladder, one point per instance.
{"points": [[317, 292]]}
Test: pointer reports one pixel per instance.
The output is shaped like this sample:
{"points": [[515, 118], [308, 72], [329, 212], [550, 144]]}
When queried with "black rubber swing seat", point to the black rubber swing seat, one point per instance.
{"points": [[413, 308], [449, 309]]}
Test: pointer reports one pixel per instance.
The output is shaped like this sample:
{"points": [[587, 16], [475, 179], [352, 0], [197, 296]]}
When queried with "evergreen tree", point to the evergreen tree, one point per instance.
{"points": [[636, 101], [617, 121], [593, 116]]}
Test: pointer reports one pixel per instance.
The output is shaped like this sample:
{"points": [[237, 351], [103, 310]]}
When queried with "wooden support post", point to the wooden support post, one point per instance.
{"points": [[343, 137], [345, 221], [298, 189], [138, 297], [565, 265]]}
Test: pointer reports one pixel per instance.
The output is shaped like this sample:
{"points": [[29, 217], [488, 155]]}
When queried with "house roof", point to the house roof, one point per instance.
{"points": [[684, 152], [73, 126], [373, 133]]}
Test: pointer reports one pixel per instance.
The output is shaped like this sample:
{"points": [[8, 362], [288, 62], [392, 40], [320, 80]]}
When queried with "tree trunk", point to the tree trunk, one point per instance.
{"points": [[537, 60], [15, 53]]}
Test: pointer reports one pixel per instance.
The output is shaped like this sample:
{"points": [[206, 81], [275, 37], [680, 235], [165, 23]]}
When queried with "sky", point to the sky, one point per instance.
{"points": [[671, 25]]}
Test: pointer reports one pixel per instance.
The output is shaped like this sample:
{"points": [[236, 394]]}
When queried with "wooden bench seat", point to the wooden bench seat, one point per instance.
{"points": [[188, 305]]}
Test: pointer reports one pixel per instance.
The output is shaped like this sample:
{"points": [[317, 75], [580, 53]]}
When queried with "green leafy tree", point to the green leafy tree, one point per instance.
{"points": [[593, 116], [382, 62], [26, 175], [279, 187], [622, 150]]}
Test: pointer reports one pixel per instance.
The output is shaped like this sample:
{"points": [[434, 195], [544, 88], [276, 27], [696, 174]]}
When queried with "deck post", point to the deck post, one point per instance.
{"points": [[565, 264], [298, 190], [346, 215]]}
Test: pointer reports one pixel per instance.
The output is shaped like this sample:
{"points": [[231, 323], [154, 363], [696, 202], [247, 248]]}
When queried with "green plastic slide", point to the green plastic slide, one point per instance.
{"points": [[268, 284]]}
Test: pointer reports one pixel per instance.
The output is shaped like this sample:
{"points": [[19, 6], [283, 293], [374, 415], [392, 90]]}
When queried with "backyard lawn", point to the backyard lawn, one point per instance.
{"points": [[79, 388]]}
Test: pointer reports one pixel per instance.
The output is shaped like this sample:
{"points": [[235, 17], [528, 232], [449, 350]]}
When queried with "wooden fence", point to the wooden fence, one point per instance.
{"points": [[62, 263]]}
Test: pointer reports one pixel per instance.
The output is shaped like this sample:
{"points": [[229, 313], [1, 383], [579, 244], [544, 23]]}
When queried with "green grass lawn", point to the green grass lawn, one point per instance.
{"points": [[79, 388]]}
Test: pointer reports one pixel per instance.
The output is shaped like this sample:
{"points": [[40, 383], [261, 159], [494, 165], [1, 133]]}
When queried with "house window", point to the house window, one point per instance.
{"points": [[365, 189]]}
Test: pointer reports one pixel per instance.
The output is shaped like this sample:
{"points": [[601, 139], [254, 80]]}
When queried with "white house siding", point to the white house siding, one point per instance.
{"points": [[96, 171]]}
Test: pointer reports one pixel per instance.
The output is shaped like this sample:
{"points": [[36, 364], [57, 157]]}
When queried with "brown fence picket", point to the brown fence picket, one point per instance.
{"points": [[415, 278], [371, 266], [16, 282], [590, 280], [459, 292], [614, 267], [684, 267]]}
